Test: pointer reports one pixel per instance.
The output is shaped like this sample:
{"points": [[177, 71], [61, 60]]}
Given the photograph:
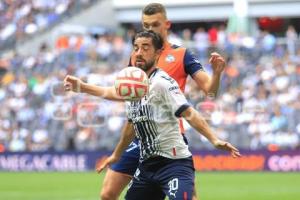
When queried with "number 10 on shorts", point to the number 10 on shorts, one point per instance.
{"points": [[173, 187]]}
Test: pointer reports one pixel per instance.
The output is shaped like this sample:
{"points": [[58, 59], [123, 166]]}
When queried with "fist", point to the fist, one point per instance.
{"points": [[217, 63], [72, 83]]}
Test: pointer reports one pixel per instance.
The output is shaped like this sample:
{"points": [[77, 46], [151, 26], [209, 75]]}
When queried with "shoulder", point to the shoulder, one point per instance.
{"points": [[190, 54], [163, 81], [164, 77], [187, 54], [191, 63], [177, 48], [174, 46]]}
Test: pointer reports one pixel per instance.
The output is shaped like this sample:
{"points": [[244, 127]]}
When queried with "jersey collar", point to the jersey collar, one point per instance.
{"points": [[152, 74]]}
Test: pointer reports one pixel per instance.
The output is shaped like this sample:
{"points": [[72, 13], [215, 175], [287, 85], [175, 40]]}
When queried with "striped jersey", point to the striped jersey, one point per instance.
{"points": [[156, 118]]}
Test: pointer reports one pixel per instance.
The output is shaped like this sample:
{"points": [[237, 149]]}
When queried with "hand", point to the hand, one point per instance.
{"points": [[219, 144], [217, 63], [72, 83], [108, 161]]}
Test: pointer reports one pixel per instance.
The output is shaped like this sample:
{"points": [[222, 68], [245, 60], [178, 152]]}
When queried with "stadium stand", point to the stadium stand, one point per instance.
{"points": [[258, 106], [20, 20]]}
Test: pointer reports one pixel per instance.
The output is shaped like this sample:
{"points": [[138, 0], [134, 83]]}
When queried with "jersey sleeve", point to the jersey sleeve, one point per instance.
{"points": [[172, 95], [191, 63]]}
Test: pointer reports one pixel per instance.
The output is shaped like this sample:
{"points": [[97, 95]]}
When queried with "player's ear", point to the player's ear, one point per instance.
{"points": [[158, 52]]}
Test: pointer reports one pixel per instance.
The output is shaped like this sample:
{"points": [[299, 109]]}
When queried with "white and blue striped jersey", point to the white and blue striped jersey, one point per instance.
{"points": [[156, 118]]}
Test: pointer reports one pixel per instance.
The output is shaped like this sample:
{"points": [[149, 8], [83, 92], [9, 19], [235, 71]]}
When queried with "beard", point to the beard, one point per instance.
{"points": [[146, 65]]}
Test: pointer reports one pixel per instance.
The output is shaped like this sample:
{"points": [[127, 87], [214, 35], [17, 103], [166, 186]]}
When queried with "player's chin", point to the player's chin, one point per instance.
{"points": [[142, 67]]}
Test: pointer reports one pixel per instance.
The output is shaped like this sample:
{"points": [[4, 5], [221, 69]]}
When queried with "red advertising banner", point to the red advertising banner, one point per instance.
{"points": [[285, 161], [227, 163]]}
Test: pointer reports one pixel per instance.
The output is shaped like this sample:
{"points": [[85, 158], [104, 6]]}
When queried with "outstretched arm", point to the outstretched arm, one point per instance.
{"points": [[127, 137], [210, 85], [198, 122], [72, 83]]}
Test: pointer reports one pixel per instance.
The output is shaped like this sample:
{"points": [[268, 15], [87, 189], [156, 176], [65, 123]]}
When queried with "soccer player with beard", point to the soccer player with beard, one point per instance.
{"points": [[178, 62], [166, 165]]}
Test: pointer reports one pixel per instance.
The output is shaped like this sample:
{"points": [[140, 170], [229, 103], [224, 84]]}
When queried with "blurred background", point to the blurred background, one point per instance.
{"points": [[41, 41]]}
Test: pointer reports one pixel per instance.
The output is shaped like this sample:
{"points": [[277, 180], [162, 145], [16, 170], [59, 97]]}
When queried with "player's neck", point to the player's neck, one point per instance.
{"points": [[167, 45], [150, 71]]}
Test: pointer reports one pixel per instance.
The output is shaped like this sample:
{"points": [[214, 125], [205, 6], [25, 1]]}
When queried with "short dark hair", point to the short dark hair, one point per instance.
{"points": [[154, 8], [157, 40]]}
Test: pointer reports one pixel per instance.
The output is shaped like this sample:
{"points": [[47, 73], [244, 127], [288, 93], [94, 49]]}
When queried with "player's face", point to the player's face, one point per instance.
{"points": [[157, 23], [144, 53]]}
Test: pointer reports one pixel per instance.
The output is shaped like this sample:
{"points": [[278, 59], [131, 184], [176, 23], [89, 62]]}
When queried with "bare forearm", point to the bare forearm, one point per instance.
{"points": [[214, 85], [209, 85], [127, 137], [200, 124], [218, 65], [108, 93]]}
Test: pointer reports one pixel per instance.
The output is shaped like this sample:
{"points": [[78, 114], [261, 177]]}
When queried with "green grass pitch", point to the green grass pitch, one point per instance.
{"points": [[210, 186]]}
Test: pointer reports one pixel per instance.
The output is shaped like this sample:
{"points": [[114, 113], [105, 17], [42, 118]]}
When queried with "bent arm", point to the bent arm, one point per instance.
{"points": [[199, 123], [209, 85], [127, 137]]}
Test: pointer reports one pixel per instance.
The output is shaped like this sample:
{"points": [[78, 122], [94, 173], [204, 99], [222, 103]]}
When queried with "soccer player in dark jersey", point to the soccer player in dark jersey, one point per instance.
{"points": [[178, 62]]}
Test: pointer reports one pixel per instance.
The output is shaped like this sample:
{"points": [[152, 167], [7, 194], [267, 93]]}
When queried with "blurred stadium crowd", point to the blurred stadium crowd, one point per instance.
{"points": [[23, 18], [258, 104]]}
